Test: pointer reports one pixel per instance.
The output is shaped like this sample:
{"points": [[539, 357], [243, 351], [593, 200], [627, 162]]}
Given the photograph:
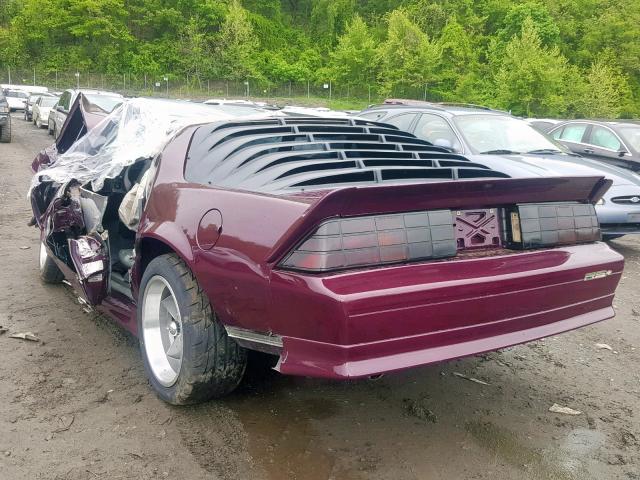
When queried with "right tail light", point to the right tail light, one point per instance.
{"points": [[534, 225]]}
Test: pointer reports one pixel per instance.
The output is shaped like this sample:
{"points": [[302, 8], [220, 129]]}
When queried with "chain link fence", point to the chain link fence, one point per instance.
{"points": [[184, 86]]}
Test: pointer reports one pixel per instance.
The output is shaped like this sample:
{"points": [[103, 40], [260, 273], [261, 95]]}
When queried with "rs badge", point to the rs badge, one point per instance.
{"points": [[596, 275]]}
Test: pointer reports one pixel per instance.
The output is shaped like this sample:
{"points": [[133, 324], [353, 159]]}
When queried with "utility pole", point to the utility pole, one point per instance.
{"points": [[425, 92], [34, 75], [166, 79], [56, 80], [9, 68], [308, 92]]}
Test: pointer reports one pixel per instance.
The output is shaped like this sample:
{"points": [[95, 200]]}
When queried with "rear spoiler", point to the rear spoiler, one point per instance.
{"points": [[452, 195]]}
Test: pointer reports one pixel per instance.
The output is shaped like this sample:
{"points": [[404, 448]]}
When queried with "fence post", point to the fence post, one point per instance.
{"points": [[56, 80], [329, 89], [9, 69], [308, 91], [34, 75]]}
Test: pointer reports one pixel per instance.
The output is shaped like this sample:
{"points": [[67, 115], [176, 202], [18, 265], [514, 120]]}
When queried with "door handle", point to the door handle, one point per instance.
{"points": [[588, 150]]}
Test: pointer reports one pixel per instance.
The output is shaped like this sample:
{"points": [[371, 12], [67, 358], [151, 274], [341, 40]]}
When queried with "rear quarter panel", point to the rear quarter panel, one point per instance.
{"points": [[234, 275]]}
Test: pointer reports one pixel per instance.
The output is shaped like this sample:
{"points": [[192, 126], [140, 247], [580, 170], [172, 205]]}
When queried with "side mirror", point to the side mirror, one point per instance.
{"points": [[622, 152], [60, 108]]}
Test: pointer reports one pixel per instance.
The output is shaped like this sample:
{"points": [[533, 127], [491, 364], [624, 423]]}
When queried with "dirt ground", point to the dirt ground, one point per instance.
{"points": [[76, 405]]}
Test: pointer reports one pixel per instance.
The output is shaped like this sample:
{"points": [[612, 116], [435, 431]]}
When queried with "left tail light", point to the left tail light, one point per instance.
{"points": [[375, 240]]}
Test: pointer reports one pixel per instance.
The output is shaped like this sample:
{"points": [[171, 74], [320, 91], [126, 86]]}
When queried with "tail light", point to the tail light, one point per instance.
{"points": [[342, 243], [547, 224], [375, 240]]}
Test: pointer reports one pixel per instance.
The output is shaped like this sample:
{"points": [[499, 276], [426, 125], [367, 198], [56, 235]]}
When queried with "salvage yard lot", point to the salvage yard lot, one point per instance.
{"points": [[76, 404]]}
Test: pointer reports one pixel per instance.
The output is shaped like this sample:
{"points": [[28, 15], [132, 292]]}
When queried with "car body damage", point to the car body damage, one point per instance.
{"points": [[344, 246]]}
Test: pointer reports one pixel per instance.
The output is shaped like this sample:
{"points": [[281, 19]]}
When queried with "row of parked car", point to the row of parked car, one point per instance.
{"points": [[44, 108], [345, 246]]}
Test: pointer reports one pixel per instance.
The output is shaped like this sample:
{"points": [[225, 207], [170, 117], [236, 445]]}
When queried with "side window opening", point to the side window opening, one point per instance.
{"points": [[573, 133], [437, 130], [402, 121], [605, 138]]}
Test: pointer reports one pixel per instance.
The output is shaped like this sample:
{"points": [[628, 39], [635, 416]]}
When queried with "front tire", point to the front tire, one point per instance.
{"points": [[186, 351], [49, 271]]}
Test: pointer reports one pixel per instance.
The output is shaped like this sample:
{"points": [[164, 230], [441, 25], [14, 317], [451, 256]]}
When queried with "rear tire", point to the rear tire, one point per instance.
{"points": [[210, 364], [49, 271]]}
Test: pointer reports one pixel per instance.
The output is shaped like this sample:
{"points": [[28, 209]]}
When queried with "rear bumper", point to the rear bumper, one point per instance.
{"points": [[314, 359], [378, 321]]}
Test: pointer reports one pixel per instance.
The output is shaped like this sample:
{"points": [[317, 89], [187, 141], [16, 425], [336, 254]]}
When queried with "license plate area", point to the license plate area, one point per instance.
{"points": [[478, 228]]}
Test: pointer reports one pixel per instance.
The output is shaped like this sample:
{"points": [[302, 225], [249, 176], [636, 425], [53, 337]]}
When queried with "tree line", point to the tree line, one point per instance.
{"points": [[562, 58]]}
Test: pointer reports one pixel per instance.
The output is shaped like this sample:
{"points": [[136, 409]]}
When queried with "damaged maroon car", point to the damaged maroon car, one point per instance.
{"points": [[345, 247]]}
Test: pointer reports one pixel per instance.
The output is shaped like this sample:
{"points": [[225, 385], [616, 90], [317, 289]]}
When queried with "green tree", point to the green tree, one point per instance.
{"points": [[237, 45], [606, 92], [530, 79], [408, 59], [459, 63], [354, 60]]}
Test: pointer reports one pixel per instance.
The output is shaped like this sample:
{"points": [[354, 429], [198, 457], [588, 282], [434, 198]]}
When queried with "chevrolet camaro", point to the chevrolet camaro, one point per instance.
{"points": [[345, 247]]}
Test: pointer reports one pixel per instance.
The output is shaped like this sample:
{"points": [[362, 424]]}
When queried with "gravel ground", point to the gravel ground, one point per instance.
{"points": [[76, 404]]}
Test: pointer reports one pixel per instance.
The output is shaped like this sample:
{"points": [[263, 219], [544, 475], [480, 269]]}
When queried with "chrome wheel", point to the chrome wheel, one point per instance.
{"points": [[43, 256], [162, 331]]}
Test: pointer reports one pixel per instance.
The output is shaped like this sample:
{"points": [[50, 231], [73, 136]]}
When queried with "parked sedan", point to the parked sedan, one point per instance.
{"points": [[16, 98], [345, 247], [42, 108], [616, 143], [28, 106], [505, 143]]}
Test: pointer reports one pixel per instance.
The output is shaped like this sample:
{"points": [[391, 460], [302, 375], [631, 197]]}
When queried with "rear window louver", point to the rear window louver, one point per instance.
{"points": [[288, 153]]}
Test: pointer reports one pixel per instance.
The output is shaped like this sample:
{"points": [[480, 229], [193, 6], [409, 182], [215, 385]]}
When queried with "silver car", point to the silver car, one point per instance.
{"points": [[512, 146]]}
